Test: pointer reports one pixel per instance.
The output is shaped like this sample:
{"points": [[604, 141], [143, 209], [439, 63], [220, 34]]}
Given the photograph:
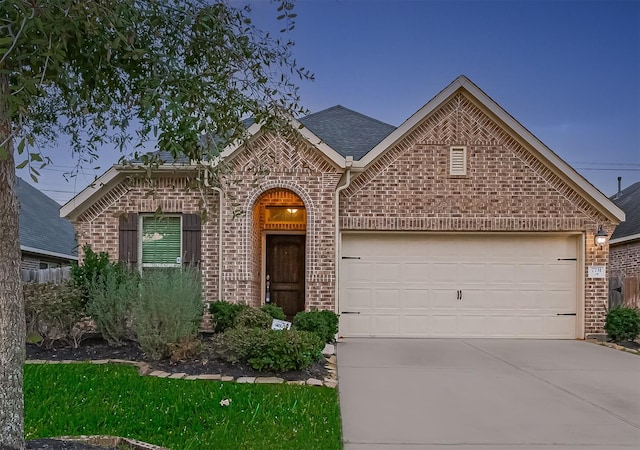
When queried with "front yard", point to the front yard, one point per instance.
{"points": [[86, 399]]}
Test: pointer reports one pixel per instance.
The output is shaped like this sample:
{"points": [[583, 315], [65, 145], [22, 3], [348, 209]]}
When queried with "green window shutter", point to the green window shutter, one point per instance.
{"points": [[161, 241]]}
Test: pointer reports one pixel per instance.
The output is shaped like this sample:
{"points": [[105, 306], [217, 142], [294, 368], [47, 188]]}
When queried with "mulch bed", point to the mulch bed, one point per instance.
{"points": [[206, 363]]}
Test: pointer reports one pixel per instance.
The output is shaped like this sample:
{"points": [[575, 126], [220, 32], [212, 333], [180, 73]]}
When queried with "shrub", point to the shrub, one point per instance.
{"points": [[169, 308], [186, 348], [94, 265], [323, 323], [274, 311], [622, 324], [252, 318], [270, 350], [224, 314], [55, 312], [111, 298]]}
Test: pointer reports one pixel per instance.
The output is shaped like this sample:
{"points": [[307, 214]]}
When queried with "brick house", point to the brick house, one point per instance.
{"points": [[624, 250], [457, 223]]}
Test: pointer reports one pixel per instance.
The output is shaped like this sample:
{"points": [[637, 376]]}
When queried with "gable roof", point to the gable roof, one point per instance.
{"points": [[355, 141], [347, 132], [628, 200], [41, 229], [542, 152]]}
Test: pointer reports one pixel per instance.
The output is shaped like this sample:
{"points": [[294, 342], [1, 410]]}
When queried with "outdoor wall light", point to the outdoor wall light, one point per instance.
{"points": [[292, 210], [600, 237]]}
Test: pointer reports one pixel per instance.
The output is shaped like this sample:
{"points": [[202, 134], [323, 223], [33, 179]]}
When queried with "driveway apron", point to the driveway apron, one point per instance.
{"points": [[481, 394]]}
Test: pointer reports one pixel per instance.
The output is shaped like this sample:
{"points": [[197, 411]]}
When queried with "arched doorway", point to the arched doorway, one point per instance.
{"points": [[280, 222]]}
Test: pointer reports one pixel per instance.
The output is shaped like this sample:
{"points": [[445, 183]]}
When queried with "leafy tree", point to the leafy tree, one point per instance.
{"points": [[121, 72]]}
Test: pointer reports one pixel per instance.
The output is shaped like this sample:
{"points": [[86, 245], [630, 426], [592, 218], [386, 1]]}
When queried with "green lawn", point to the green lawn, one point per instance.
{"points": [[86, 399]]}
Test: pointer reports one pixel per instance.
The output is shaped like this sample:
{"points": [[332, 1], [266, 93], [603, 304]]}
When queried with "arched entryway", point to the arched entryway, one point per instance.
{"points": [[280, 223]]}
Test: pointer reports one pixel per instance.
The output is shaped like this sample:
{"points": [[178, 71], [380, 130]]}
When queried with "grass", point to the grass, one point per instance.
{"points": [[86, 399]]}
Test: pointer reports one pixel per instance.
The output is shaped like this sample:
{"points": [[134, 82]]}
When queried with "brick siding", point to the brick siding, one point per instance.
{"points": [[506, 189], [624, 259], [408, 188]]}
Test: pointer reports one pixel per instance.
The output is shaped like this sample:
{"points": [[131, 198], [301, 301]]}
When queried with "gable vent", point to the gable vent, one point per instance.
{"points": [[458, 161]]}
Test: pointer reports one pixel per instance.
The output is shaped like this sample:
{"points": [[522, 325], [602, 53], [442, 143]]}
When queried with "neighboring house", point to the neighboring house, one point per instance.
{"points": [[46, 239], [457, 223], [624, 251]]}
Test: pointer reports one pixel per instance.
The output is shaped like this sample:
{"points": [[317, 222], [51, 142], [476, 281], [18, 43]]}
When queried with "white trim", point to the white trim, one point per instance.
{"points": [[38, 251], [600, 201], [623, 239]]}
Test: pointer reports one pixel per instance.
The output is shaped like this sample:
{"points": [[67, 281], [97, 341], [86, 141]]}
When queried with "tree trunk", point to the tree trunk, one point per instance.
{"points": [[12, 320]]}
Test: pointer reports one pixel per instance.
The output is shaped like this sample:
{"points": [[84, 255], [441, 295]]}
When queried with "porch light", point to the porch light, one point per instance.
{"points": [[600, 237], [292, 210]]}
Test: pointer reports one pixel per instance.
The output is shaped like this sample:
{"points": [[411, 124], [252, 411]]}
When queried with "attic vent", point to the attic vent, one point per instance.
{"points": [[458, 161]]}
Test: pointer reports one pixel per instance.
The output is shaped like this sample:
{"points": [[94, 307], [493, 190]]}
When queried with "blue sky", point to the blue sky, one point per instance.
{"points": [[569, 71]]}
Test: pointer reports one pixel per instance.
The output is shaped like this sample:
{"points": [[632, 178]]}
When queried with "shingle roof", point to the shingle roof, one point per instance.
{"points": [[628, 200], [347, 132], [41, 226]]}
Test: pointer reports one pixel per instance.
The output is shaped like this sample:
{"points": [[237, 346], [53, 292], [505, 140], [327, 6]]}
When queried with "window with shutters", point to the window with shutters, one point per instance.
{"points": [[161, 241], [458, 161]]}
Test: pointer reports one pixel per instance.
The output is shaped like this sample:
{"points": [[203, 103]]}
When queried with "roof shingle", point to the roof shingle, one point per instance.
{"points": [[628, 200], [41, 226]]}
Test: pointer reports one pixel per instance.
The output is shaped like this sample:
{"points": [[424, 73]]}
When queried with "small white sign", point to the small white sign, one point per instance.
{"points": [[597, 272], [280, 325]]}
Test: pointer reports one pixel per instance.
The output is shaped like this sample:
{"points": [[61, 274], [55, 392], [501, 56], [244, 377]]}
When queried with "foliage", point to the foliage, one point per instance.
{"points": [[274, 311], [187, 348], [622, 324], [94, 265], [270, 350], [84, 399], [169, 309], [323, 323], [55, 312], [224, 314], [183, 72], [112, 294], [252, 318]]}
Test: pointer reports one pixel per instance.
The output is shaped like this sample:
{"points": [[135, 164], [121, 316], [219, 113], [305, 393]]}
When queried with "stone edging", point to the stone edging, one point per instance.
{"points": [[144, 369], [614, 346], [111, 441]]}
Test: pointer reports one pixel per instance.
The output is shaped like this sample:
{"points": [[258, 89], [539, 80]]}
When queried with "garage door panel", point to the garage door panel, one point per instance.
{"points": [[415, 272], [357, 273], [360, 299], [410, 285], [415, 299], [387, 298]]}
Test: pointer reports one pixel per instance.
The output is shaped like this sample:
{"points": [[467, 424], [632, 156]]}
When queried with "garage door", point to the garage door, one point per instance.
{"points": [[446, 285]]}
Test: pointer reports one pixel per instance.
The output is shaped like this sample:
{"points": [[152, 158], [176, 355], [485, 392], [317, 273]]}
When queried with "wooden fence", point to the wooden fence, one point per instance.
{"points": [[624, 291], [54, 275]]}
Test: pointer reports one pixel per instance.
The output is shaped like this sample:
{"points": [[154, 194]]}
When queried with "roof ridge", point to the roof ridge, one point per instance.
{"points": [[339, 106]]}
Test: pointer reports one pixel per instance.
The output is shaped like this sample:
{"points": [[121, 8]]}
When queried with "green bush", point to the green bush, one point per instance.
{"points": [[270, 350], [323, 323], [112, 295], [55, 312], [252, 318], [169, 309], [622, 324], [274, 311], [224, 314], [94, 265]]}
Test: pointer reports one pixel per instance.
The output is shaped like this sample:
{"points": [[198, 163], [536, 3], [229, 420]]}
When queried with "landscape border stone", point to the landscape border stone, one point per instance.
{"points": [[144, 369]]}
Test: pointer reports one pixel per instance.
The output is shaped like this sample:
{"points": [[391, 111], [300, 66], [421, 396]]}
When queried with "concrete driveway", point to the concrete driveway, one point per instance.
{"points": [[481, 394]]}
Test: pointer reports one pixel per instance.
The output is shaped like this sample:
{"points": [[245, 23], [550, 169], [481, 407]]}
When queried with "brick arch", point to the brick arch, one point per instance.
{"points": [[248, 225]]}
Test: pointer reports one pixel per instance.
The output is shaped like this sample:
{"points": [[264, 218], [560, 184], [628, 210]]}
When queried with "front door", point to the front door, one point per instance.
{"points": [[285, 271]]}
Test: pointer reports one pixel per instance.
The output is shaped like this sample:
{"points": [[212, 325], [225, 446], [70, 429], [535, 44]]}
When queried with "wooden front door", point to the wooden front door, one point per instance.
{"points": [[285, 269]]}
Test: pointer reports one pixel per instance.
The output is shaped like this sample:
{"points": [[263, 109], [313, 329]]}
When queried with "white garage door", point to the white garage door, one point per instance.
{"points": [[417, 285]]}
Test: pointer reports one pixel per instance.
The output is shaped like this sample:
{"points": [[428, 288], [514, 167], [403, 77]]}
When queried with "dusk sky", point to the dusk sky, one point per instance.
{"points": [[568, 71]]}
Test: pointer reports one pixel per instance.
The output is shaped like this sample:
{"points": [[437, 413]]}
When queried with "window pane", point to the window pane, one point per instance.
{"points": [[161, 240]]}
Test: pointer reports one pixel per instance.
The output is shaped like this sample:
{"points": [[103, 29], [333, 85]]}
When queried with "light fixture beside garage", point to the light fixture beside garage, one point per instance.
{"points": [[600, 237]]}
